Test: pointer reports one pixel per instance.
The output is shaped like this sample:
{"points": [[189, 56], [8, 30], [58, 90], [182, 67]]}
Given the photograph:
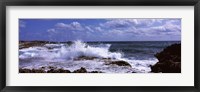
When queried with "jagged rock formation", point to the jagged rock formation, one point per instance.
{"points": [[169, 60]]}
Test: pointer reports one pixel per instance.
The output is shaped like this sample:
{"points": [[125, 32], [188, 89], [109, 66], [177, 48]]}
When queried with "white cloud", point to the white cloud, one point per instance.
{"points": [[22, 24], [94, 29], [157, 29], [166, 29], [116, 23], [98, 29], [71, 26], [125, 29], [123, 23], [171, 25], [89, 29], [146, 28], [61, 25], [142, 22], [51, 30]]}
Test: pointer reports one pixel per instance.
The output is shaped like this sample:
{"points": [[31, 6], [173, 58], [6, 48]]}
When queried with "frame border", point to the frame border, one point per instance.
{"points": [[4, 3]]}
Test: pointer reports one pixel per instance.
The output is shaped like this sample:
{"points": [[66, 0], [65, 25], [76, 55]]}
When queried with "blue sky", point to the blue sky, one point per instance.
{"points": [[100, 29]]}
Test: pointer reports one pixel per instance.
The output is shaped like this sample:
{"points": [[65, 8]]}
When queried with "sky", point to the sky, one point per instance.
{"points": [[116, 29]]}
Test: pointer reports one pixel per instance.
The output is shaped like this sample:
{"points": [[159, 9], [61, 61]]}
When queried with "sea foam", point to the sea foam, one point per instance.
{"points": [[69, 52], [63, 55]]}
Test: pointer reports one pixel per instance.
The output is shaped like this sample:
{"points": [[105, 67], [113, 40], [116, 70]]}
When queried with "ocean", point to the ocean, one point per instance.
{"points": [[139, 54]]}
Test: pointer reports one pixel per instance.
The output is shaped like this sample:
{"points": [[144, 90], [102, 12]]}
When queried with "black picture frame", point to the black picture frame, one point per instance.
{"points": [[4, 3]]}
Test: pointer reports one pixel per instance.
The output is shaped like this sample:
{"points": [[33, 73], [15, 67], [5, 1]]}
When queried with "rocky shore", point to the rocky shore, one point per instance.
{"points": [[81, 70], [51, 69], [27, 44], [108, 61], [169, 60]]}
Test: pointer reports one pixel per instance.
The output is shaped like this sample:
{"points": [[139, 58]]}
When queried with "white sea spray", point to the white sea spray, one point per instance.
{"points": [[63, 55]]}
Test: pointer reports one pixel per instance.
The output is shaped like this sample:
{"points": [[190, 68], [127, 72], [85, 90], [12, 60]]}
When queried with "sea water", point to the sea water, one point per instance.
{"points": [[139, 54]]}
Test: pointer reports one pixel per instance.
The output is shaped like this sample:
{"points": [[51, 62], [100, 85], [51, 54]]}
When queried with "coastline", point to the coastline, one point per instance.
{"points": [[107, 61]]}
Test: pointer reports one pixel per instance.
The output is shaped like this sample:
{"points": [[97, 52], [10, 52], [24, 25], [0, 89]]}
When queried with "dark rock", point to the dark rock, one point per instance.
{"points": [[169, 60], [27, 44], [96, 72], [119, 63], [172, 52], [43, 67], [58, 71], [89, 58], [31, 71], [30, 44], [52, 71], [43, 71], [106, 58], [70, 43], [81, 70], [85, 58], [37, 71], [24, 70], [51, 67], [63, 71]]}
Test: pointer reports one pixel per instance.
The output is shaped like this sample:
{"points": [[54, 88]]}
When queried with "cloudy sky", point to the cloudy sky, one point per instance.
{"points": [[100, 29]]}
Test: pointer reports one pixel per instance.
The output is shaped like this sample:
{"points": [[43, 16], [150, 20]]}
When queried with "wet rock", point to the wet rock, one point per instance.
{"points": [[58, 71], [51, 67], [106, 58], [70, 43], [119, 63], [169, 60], [63, 71], [31, 71], [41, 70], [96, 72], [37, 71], [90, 58], [52, 71], [43, 67], [27, 44], [167, 67], [172, 53], [24, 70], [81, 70], [85, 58], [30, 44]]}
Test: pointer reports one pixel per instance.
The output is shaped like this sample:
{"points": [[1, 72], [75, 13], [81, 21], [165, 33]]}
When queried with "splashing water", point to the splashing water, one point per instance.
{"points": [[69, 52], [63, 55]]}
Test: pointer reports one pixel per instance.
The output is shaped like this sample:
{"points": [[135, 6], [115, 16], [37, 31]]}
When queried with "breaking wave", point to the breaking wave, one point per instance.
{"points": [[69, 52], [65, 52]]}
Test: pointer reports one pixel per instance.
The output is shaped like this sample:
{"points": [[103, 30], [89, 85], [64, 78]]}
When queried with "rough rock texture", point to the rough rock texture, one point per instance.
{"points": [[119, 63], [81, 70], [96, 72], [169, 60], [27, 44], [90, 58], [54, 70], [85, 58], [58, 71], [30, 44], [31, 71]]}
